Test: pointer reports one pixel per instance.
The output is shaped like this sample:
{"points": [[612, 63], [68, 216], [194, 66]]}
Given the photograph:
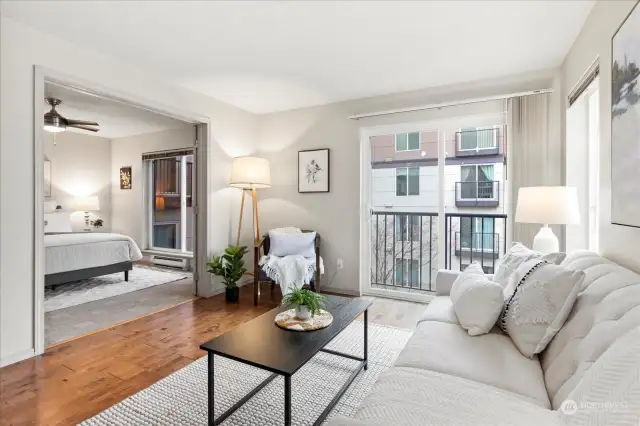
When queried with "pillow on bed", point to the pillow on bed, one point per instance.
{"points": [[57, 222]]}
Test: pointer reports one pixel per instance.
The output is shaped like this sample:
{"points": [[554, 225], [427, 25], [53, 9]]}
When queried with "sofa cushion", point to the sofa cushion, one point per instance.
{"points": [[607, 307], [413, 397], [490, 358], [477, 301], [440, 309], [538, 304], [515, 256]]}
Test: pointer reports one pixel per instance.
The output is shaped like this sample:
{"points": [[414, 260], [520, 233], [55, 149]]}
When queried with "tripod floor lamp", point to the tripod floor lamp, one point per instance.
{"points": [[249, 174]]}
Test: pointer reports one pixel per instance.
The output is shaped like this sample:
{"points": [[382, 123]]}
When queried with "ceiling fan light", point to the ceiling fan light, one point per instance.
{"points": [[53, 129]]}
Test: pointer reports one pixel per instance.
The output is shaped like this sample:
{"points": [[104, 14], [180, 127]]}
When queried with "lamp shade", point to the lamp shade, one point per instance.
{"points": [[548, 205], [86, 204], [250, 173]]}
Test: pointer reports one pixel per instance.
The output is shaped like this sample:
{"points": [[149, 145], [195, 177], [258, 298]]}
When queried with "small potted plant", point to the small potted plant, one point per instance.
{"points": [[229, 267], [306, 302], [98, 223]]}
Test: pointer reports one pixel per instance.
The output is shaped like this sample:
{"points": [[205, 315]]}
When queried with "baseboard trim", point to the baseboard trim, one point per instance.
{"points": [[17, 357]]}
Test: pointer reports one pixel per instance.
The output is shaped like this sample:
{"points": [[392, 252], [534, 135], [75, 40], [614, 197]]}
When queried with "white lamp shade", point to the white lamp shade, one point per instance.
{"points": [[548, 205], [250, 173], [86, 204]]}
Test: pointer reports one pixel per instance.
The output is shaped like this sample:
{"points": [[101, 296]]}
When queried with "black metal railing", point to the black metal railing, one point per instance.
{"points": [[404, 250], [478, 194], [473, 237]]}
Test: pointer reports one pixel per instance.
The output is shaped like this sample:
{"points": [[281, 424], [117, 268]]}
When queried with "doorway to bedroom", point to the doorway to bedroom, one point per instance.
{"points": [[119, 212]]}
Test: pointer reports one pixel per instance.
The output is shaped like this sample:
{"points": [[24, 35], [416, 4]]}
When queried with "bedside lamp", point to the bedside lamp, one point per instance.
{"points": [[86, 205], [547, 205]]}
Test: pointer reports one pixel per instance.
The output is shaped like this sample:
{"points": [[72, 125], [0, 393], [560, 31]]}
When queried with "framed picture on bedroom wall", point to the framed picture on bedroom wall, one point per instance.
{"points": [[47, 178], [313, 171], [625, 122], [125, 177]]}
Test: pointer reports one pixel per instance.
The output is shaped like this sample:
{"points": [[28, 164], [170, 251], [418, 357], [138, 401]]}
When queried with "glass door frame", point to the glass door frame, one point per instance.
{"points": [[366, 197]]}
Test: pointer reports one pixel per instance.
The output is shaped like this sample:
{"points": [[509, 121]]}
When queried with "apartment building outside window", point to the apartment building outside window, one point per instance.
{"points": [[407, 181], [407, 141], [477, 138], [477, 181], [408, 228]]}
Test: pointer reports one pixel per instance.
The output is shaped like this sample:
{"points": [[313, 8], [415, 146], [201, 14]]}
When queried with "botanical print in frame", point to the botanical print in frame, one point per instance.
{"points": [[313, 170], [47, 178], [625, 122], [125, 177]]}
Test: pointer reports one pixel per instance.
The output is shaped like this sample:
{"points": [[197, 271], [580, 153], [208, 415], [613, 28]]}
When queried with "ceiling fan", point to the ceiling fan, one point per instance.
{"points": [[54, 122]]}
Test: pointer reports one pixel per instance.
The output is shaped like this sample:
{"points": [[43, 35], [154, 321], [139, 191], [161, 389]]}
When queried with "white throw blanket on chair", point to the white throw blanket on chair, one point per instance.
{"points": [[290, 272]]}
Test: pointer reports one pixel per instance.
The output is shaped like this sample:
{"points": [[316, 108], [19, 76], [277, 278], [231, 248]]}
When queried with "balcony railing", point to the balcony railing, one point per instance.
{"points": [[477, 142], [404, 250], [478, 194], [474, 237], [405, 246]]}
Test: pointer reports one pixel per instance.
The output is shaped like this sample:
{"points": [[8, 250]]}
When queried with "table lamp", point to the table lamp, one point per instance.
{"points": [[249, 174], [86, 205], [547, 205]]}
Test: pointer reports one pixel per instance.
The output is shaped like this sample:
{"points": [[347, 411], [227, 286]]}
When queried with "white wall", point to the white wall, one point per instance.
{"points": [[128, 210], [80, 165], [231, 134], [618, 243], [336, 215]]}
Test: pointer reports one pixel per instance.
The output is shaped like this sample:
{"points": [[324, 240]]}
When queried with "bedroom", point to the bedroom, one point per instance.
{"points": [[118, 213]]}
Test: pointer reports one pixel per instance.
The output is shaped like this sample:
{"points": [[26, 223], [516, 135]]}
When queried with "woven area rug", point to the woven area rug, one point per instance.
{"points": [[181, 398], [79, 292]]}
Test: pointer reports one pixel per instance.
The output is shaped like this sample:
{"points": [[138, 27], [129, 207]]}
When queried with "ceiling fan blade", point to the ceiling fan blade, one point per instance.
{"points": [[81, 122], [83, 127]]}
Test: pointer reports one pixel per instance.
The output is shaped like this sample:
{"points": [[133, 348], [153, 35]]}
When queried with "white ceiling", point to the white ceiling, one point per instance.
{"points": [[116, 119], [267, 56]]}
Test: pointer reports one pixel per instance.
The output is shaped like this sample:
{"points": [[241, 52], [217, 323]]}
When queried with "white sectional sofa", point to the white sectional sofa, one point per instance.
{"points": [[445, 377]]}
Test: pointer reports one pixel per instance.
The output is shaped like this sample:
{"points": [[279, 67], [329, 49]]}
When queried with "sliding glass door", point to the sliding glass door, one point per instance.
{"points": [[170, 219], [435, 198]]}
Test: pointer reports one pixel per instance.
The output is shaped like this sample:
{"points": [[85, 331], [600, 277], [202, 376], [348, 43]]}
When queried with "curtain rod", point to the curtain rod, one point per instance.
{"points": [[448, 104]]}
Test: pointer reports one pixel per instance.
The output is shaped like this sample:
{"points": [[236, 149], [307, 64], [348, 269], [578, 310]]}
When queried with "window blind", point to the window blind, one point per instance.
{"points": [[167, 154]]}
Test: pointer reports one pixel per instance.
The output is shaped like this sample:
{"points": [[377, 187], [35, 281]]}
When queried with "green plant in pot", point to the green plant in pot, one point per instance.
{"points": [[306, 302], [230, 267]]}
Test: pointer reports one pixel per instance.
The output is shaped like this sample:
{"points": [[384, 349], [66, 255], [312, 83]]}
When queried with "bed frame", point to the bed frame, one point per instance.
{"points": [[82, 274]]}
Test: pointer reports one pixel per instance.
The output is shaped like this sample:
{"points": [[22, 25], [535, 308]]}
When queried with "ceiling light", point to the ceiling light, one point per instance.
{"points": [[53, 129]]}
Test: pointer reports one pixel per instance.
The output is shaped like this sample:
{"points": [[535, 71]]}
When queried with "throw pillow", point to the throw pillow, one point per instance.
{"points": [[284, 244], [539, 304], [477, 301], [515, 256]]}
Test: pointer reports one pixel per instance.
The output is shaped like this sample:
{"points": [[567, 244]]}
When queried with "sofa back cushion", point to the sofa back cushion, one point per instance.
{"points": [[607, 307]]}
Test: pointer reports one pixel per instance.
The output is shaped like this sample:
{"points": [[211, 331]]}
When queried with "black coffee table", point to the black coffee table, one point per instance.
{"points": [[261, 343]]}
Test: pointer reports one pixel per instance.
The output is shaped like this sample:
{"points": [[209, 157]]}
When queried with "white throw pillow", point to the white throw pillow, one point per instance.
{"points": [[477, 301], [57, 222], [515, 256], [284, 244], [540, 302]]}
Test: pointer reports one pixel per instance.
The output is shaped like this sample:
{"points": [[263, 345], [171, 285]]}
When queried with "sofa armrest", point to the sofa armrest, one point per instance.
{"points": [[444, 281], [344, 421]]}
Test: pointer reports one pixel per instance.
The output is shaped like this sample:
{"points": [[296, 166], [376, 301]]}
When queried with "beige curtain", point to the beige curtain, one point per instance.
{"points": [[532, 159]]}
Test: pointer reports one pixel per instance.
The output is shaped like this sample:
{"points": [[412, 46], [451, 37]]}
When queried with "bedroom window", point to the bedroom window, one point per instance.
{"points": [[170, 185]]}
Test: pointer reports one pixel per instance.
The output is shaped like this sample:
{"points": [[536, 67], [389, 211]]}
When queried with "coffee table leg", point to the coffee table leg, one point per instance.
{"points": [[287, 400], [366, 337], [210, 390]]}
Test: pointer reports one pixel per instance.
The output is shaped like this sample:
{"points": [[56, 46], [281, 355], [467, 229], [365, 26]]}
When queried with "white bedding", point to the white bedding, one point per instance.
{"points": [[69, 252]]}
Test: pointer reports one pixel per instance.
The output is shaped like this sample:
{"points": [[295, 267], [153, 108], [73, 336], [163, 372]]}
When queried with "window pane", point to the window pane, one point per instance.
{"points": [[401, 182], [414, 181], [468, 186], [468, 138], [414, 140], [401, 142], [166, 206]]}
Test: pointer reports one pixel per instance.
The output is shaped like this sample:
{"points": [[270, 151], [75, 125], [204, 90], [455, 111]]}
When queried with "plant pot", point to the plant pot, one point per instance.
{"points": [[231, 294], [303, 313]]}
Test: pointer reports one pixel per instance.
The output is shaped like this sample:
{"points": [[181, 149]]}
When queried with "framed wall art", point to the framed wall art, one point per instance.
{"points": [[125, 177], [625, 122], [313, 170]]}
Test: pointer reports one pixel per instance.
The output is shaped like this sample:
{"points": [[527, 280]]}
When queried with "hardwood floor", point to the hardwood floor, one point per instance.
{"points": [[76, 380]]}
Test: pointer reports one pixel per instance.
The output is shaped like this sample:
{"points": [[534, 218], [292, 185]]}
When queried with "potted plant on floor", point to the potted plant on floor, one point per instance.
{"points": [[306, 302], [229, 267]]}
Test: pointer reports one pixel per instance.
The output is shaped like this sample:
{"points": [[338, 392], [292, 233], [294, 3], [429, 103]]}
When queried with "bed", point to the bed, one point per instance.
{"points": [[73, 256]]}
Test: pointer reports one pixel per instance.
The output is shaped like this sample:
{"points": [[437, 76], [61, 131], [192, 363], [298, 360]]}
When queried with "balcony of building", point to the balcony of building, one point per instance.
{"points": [[477, 194]]}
